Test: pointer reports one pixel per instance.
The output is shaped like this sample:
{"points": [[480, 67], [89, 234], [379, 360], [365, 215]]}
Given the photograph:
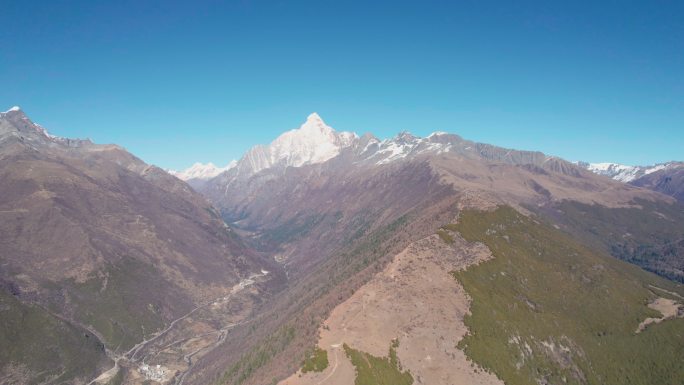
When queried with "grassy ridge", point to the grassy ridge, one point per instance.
{"points": [[119, 310], [50, 349], [548, 310], [258, 356], [371, 370], [650, 236], [445, 236], [316, 362]]}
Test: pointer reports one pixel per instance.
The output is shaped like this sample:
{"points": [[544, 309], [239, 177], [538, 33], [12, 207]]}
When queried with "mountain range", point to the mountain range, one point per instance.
{"points": [[329, 257], [316, 142], [667, 178]]}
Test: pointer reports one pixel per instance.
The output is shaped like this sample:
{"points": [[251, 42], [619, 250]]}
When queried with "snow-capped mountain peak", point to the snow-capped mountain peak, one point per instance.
{"points": [[31, 131], [616, 171], [201, 171], [13, 109], [437, 133], [314, 119], [313, 142], [621, 172]]}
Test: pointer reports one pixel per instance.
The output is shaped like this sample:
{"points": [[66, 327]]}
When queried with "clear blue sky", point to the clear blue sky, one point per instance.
{"points": [[182, 81]]}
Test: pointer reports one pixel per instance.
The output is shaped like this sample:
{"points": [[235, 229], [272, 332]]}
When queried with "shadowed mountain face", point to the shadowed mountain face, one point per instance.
{"points": [[669, 181], [95, 242]]}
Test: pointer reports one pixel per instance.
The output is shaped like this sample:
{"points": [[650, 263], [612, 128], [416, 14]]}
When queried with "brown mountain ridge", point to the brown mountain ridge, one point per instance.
{"points": [[93, 239]]}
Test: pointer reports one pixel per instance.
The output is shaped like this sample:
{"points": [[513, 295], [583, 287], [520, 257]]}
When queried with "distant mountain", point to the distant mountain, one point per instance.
{"points": [[622, 172], [313, 142], [666, 178], [98, 251], [197, 174], [317, 143], [201, 171]]}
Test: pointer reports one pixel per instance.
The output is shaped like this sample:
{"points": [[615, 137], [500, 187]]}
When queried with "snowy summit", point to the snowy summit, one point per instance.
{"points": [[621, 172], [201, 171], [313, 142], [13, 109]]}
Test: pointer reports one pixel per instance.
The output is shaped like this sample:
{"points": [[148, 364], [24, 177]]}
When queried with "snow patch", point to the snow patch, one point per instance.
{"points": [[405, 145], [44, 131], [13, 109], [655, 168], [616, 171]]}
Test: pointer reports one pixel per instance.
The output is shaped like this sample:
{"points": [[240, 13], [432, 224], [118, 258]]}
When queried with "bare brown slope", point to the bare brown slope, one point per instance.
{"points": [[99, 238], [415, 302], [516, 184]]}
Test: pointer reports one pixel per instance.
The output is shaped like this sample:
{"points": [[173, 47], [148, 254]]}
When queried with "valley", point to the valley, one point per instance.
{"points": [[168, 355]]}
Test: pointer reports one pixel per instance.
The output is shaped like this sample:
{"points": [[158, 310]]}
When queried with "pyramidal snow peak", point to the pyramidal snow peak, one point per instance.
{"points": [[313, 142]]}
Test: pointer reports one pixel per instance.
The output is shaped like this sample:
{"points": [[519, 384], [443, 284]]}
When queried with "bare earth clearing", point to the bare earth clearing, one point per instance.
{"points": [[667, 307], [416, 300]]}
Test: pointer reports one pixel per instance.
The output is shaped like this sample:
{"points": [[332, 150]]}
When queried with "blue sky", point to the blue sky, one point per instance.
{"points": [[177, 81]]}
